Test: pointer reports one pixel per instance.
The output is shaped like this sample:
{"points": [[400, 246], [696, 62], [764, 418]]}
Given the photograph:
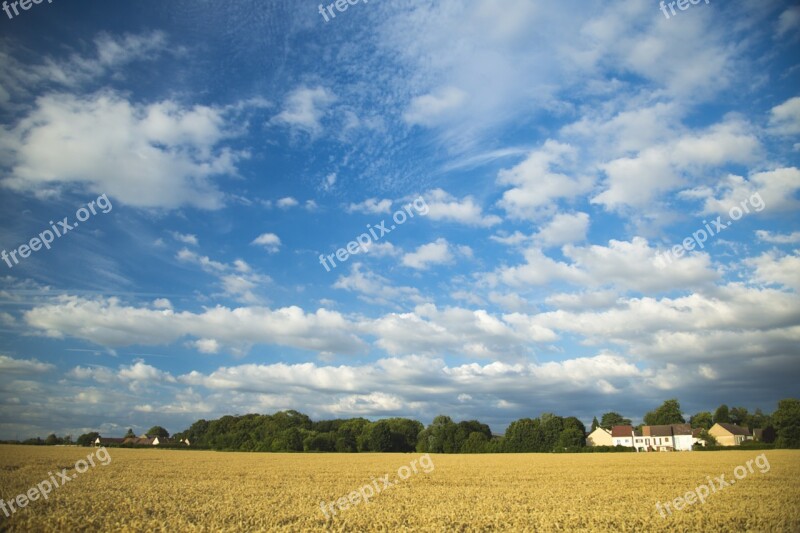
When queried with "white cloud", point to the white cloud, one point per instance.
{"points": [[778, 238], [210, 346], [564, 228], [433, 108], [111, 53], [305, 108], [9, 365], [788, 21], [371, 206], [434, 253], [158, 155], [785, 118], [287, 202], [238, 280], [375, 288], [538, 182], [381, 249], [446, 207], [270, 241], [185, 238], [775, 268], [329, 182], [107, 322], [768, 192], [627, 265], [638, 181], [162, 303]]}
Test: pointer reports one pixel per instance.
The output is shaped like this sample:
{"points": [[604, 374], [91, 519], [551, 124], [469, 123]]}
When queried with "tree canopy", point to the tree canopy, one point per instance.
{"points": [[668, 413]]}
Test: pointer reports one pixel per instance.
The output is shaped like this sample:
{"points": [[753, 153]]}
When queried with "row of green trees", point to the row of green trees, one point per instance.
{"points": [[291, 431]]}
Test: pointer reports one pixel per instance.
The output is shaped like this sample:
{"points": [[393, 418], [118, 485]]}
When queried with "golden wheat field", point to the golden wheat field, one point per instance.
{"points": [[167, 490]]}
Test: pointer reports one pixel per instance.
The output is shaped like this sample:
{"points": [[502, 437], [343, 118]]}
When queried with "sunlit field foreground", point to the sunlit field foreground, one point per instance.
{"points": [[166, 490]]}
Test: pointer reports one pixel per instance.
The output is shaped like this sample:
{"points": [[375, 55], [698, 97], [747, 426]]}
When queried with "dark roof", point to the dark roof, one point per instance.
{"points": [[140, 441], [621, 431], [734, 429], [111, 440], [660, 431]]}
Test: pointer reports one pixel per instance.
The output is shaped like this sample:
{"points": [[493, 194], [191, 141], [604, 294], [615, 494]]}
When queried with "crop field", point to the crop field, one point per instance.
{"points": [[167, 490]]}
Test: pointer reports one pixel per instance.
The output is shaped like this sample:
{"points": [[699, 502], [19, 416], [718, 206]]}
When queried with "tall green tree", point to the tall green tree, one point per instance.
{"points": [[668, 413], [158, 431], [786, 420], [722, 414], [87, 439], [595, 423], [476, 443], [703, 420], [758, 420], [609, 420], [739, 416], [380, 437], [523, 435]]}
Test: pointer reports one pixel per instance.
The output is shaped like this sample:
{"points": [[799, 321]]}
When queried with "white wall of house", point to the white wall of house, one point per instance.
{"points": [[623, 441], [684, 443]]}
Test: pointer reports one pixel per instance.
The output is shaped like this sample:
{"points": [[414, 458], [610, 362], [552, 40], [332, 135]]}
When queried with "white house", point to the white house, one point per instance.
{"points": [[622, 436], [664, 438]]}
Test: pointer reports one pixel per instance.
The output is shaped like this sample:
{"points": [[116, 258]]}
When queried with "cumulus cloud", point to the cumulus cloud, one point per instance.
{"points": [[108, 322], [375, 288], [637, 181], [10, 365], [270, 241], [162, 155], [238, 280], [371, 206], [778, 238], [769, 192], [564, 228], [538, 182], [444, 206], [785, 118], [185, 238], [287, 202], [773, 268], [435, 253], [627, 265]]}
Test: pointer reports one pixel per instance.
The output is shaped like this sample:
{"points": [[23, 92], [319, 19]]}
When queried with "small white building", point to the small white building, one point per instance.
{"points": [[622, 436]]}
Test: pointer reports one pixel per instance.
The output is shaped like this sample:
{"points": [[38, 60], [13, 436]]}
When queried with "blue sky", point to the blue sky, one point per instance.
{"points": [[557, 149]]}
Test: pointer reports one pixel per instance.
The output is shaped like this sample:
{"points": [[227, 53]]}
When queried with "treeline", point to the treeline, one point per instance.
{"points": [[291, 431]]}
